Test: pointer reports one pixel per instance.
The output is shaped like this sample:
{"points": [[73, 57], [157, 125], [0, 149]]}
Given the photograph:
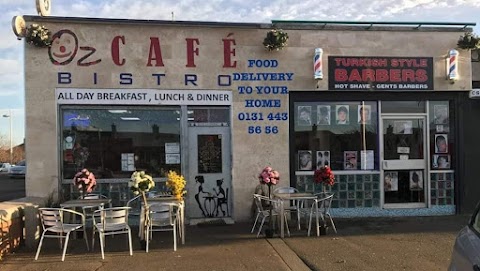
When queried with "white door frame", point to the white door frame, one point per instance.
{"points": [[422, 164]]}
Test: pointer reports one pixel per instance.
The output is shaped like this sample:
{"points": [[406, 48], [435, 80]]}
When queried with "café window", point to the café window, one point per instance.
{"points": [[114, 142], [342, 135]]}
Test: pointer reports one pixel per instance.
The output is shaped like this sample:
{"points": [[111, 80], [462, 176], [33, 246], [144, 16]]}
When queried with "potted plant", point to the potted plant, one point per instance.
{"points": [[38, 35], [176, 183], [325, 177], [85, 181], [469, 41], [276, 39], [269, 177]]}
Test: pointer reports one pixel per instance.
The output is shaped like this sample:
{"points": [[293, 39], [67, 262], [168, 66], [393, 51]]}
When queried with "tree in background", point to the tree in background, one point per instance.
{"points": [[18, 152]]}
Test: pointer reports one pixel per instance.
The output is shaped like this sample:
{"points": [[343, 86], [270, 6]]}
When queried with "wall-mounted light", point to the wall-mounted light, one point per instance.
{"points": [[452, 65], [318, 64]]}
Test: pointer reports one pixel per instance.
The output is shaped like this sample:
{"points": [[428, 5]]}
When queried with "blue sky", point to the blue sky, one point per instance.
{"points": [[11, 50]]}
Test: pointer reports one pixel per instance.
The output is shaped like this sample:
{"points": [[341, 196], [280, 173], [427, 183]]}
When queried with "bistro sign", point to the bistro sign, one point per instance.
{"points": [[380, 73]]}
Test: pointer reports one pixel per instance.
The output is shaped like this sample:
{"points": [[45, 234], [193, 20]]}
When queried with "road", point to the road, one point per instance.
{"points": [[11, 188]]}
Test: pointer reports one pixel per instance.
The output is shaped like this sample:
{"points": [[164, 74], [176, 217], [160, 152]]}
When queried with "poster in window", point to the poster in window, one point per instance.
{"points": [[323, 114], [390, 181], [304, 115], [440, 113], [209, 148], [416, 180], [441, 161], [304, 160], [403, 127], [367, 160], [350, 160], [323, 159], [342, 113], [172, 158], [173, 147], [364, 114], [441, 145]]}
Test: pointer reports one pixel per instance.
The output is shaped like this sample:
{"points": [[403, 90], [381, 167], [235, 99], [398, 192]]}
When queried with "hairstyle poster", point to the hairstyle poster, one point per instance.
{"points": [[304, 160], [304, 115], [350, 160], [441, 143], [402, 127], [323, 159], [364, 114], [390, 181], [441, 161], [440, 113], [416, 180], [323, 114], [342, 114]]}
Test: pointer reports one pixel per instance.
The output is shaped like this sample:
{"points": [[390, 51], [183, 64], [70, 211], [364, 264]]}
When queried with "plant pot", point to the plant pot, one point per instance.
{"points": [[269, 233]]}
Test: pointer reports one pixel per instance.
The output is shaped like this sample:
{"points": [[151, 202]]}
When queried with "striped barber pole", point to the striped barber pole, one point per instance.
{"points": [[452, 65], [317, 64]]}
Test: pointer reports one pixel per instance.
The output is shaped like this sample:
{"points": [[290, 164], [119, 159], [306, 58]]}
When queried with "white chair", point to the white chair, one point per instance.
{"points": [[293, 204], [89, 210], [52, 222], [321, 207], [163, 216], [111, 221], [261, 203]]}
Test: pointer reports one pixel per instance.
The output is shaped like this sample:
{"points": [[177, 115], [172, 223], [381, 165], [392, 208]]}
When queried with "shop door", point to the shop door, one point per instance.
{"points": [[210, 183], [404, 162]]}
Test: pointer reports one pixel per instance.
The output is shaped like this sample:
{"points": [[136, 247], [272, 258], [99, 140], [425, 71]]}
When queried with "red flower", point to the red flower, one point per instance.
{"points": [[324, 175]]}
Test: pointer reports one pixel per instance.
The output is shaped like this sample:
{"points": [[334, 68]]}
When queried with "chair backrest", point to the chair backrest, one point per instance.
{"points": [[112, 216], [285, 190], [51, 217], [325, 200], [93, 196], [163, 213]]}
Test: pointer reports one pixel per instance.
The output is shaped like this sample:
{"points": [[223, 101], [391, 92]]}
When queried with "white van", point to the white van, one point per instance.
{"points": [[4, 167]]}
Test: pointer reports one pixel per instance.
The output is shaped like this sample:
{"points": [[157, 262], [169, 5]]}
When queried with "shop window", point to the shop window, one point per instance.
{"points": [[114, 142], [342, 135], [441, 135], [208, 116], [403, 107]]}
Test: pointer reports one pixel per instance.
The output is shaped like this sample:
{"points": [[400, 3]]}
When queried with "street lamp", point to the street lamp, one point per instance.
{"points": [[9, 115]]}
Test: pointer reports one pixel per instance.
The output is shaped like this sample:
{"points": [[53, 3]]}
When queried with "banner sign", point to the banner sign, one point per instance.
{"points": [[380, 73], [142, 97]]}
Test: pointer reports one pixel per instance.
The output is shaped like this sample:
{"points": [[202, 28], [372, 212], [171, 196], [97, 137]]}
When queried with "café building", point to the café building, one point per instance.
{"points": [[385, 105]]}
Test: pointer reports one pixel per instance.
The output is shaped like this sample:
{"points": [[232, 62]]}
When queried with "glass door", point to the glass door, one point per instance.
{"points": [[404, 162]]}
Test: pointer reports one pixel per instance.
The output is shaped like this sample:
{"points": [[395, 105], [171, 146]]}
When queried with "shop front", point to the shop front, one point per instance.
{"points": [[210, 102]]}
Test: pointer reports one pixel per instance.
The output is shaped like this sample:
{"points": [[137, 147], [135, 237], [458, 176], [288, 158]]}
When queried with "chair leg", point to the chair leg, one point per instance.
{"points": [[286, 224], [310, 222], [93, 237], [130, 241], [255, 223], [333, 224], [39, 246], [65, 246], [261, 225], [148, 236], [101, 236], [85, 237]]}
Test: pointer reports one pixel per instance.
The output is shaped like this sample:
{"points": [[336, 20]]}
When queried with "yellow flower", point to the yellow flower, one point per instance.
{"points": [[176, 183]]}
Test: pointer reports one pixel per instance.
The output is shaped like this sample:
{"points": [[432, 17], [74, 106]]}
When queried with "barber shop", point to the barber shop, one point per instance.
{"points": [[387, 107]]}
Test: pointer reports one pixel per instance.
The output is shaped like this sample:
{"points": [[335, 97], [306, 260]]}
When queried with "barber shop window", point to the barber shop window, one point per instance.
{"points": [[114, 142], [342, 135]]}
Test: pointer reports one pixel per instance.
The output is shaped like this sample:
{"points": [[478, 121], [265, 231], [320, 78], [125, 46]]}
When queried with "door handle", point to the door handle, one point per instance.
{"points": [[476, 267]]}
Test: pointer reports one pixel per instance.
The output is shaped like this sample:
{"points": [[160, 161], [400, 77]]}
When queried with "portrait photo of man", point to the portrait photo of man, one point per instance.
{"points": [[342, 114], [323, 114], [441, 143], [304, 115], [304, 160], [364, 114]]}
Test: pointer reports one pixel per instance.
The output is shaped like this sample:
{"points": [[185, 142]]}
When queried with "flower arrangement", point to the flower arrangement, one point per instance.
{"points": [[38, 35], [324, 176], [176, 183], [469, 41], [276, 39], [140, 183], [85, 181], [269, 176]]}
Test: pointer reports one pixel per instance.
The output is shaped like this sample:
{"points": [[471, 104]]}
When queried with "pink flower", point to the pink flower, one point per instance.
{"points": [[269, 176]]}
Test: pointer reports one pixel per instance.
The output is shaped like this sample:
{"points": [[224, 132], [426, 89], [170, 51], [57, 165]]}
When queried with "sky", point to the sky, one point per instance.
{"points": [[12, 98]]}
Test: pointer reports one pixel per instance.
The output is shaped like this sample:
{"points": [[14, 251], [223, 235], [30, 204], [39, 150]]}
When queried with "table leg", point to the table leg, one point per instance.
{"points": [[282, 221]]}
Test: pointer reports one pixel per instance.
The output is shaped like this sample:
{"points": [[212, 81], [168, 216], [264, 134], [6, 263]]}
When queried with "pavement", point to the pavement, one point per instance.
{"points": [[408, 243]]}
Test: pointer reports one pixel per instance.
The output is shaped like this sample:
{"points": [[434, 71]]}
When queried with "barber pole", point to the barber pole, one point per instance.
{"points": [[452, 65], [317, 63]]}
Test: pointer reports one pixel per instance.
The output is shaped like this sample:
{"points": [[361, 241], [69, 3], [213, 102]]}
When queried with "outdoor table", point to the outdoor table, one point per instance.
{"points": [[287, 197], [141, 229]]}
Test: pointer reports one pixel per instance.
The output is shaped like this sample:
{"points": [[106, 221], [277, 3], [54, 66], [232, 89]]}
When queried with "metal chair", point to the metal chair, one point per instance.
{"points": [[163, 216], [321, 207], [89, 210], [294, 205], [52, 222], [261, 202], [111, 221]]}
